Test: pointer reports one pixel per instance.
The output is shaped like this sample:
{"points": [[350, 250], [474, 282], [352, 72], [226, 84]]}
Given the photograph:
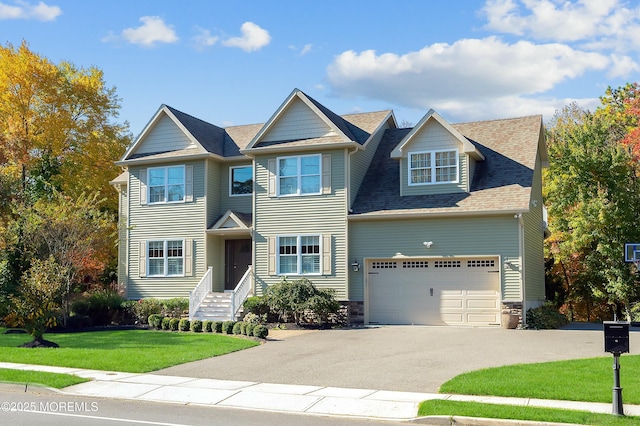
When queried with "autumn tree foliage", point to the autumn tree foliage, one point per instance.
{"points": [[592, 191], [57, 127]]}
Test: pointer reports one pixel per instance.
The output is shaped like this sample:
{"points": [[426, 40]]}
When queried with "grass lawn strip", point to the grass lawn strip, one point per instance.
{"points": [[131, 351], [516, 412], [39, 378], [588, 380]]}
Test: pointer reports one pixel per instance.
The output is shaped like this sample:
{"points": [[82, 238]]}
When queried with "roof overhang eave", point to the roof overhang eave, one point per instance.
{"points": [[433, 215], [146, 160]]}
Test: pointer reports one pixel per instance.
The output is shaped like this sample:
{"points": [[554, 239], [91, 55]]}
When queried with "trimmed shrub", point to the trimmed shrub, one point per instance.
{"points": [[155, 321], [173, 324], [243, 328], [256, 305], [261, 331], [80, 307], [196, 326], [254, 318], [145, 307], [207, 326], [227, 327], [217, 326], [175, 307], [184, 324], [545, 317], [236, 328], [248, 329], [165, 323], [79, 321]]}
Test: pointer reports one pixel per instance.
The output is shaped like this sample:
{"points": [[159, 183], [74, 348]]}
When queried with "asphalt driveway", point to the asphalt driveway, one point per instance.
{"points": [[401, 358]]}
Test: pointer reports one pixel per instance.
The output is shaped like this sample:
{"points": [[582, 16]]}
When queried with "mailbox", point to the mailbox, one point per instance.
{"points": [[616, 337]]}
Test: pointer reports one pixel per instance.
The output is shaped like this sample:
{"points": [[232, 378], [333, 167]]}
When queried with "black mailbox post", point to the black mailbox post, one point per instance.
{"points": [[616, 337], [616, 341]]}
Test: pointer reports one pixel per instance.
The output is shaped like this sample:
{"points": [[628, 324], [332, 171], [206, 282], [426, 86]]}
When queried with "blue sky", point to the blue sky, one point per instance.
{"points": [[234, 62]]}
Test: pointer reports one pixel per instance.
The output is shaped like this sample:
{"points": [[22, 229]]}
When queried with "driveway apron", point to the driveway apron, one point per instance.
{"points": [[395, 358]]}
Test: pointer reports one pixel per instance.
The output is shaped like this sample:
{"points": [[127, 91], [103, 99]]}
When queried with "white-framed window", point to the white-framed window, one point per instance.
{"points": [[240, 180], [299, 255], [165, 258], [166, 184], [300, 175], [432, 167]]}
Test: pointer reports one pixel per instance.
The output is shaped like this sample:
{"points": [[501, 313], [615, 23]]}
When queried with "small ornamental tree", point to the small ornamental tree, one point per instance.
{"points": [[39, 302]]}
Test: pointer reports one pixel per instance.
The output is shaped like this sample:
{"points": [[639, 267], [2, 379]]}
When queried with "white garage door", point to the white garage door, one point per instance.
{"points": [[434, 292]]}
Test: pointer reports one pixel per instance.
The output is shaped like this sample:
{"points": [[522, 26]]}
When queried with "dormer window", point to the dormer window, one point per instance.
{"points": [[432, 167]]}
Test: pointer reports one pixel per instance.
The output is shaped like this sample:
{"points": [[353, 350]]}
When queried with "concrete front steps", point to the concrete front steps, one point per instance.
{"points": [[215, 307]]}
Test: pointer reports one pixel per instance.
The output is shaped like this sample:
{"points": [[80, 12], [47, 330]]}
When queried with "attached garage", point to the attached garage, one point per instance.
{"points": [[444, 291]]}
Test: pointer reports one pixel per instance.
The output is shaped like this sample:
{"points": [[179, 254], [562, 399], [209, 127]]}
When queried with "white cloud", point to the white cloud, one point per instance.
{"points": [[24, 10], [604, 23], [306, 49], [253, 38], [153, 30], [468, 75], [204, 38]]}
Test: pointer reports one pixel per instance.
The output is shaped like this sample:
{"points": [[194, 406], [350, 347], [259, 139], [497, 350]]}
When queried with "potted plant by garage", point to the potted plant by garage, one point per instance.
{"points": [[510, 319]]}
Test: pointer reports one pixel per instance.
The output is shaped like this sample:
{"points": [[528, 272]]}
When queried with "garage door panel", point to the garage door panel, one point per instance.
{"points": [[453, 293]]}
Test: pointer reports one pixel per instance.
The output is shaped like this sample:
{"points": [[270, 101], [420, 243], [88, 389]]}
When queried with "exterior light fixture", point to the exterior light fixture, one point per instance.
{"points": [[428, 244], [355, 265]]}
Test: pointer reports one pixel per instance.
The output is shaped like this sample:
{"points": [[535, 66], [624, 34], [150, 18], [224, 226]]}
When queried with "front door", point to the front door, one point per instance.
{"points": [[237, 260]]}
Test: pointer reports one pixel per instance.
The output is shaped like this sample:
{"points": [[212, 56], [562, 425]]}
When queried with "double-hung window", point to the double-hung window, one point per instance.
{"points": [[241, 180], [299, 175], [299, 255], [166, 184], [166, 258], [433, 167]]}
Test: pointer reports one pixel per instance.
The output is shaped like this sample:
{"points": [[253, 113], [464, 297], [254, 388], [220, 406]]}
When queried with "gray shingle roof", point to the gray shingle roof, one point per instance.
{"points": [[502, 182], [211, 137]]}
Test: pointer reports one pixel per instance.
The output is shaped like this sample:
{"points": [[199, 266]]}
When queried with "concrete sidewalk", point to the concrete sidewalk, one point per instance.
{"points": [[332, 401]]}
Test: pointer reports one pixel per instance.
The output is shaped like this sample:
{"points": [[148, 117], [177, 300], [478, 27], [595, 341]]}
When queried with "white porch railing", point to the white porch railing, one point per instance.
{"points": [[241, 291], [197, 295]]}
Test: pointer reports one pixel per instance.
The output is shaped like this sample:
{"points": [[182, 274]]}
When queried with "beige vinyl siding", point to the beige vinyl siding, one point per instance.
{"points": [[361, 160], [534, 241], [237, 203], [213, 177], [308, 214], [184, 221], [472, 236], [123, 243], [297, 122], [165, 136]]}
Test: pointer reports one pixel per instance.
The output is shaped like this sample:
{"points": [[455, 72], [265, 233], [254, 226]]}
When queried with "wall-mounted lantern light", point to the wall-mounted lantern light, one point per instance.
{"points": [[355, 265]]}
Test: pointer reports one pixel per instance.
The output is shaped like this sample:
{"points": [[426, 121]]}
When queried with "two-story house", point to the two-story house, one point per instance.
{"points": [[438, 224]]}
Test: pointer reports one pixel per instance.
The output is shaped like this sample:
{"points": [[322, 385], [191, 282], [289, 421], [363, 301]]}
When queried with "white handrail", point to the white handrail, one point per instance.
{"points": [[242, 290], [197, 295]]}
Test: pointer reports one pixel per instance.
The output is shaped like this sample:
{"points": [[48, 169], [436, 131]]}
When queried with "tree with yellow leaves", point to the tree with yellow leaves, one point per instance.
{"points": [[57, 128]]}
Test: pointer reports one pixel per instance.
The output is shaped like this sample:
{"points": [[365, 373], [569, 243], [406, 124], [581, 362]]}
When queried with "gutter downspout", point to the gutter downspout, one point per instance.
{"points": [[522, 266]]}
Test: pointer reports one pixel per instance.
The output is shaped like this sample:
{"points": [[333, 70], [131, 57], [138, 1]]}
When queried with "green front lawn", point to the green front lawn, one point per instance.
{"points": [[515, 412], [40, 378], [133, 351], [588, 380]]}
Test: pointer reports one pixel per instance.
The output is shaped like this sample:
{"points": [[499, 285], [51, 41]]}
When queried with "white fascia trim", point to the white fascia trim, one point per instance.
{"points": [[395, 216]]}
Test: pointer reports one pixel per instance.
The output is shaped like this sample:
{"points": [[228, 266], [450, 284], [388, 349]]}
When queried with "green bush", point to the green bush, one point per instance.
{"points": [[175, 307], [184, 324], [79, 321], [196, 326], [546, 316], [104, 306], [145, 307], [165, 323], [243, 328], [293, 298], [173, 324], [261, 331], [217, 326], [237, 327], [248, 330], [256, 305], [155, 321], [227, 327], [80, 307], [207, 326]]}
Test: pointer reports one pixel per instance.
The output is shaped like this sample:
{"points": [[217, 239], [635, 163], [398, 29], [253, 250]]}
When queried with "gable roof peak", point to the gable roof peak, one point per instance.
{"points": [[431, 115]]}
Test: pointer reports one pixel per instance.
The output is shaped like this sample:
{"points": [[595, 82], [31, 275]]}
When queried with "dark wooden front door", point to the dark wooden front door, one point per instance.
{"points": [[237, 259]]}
